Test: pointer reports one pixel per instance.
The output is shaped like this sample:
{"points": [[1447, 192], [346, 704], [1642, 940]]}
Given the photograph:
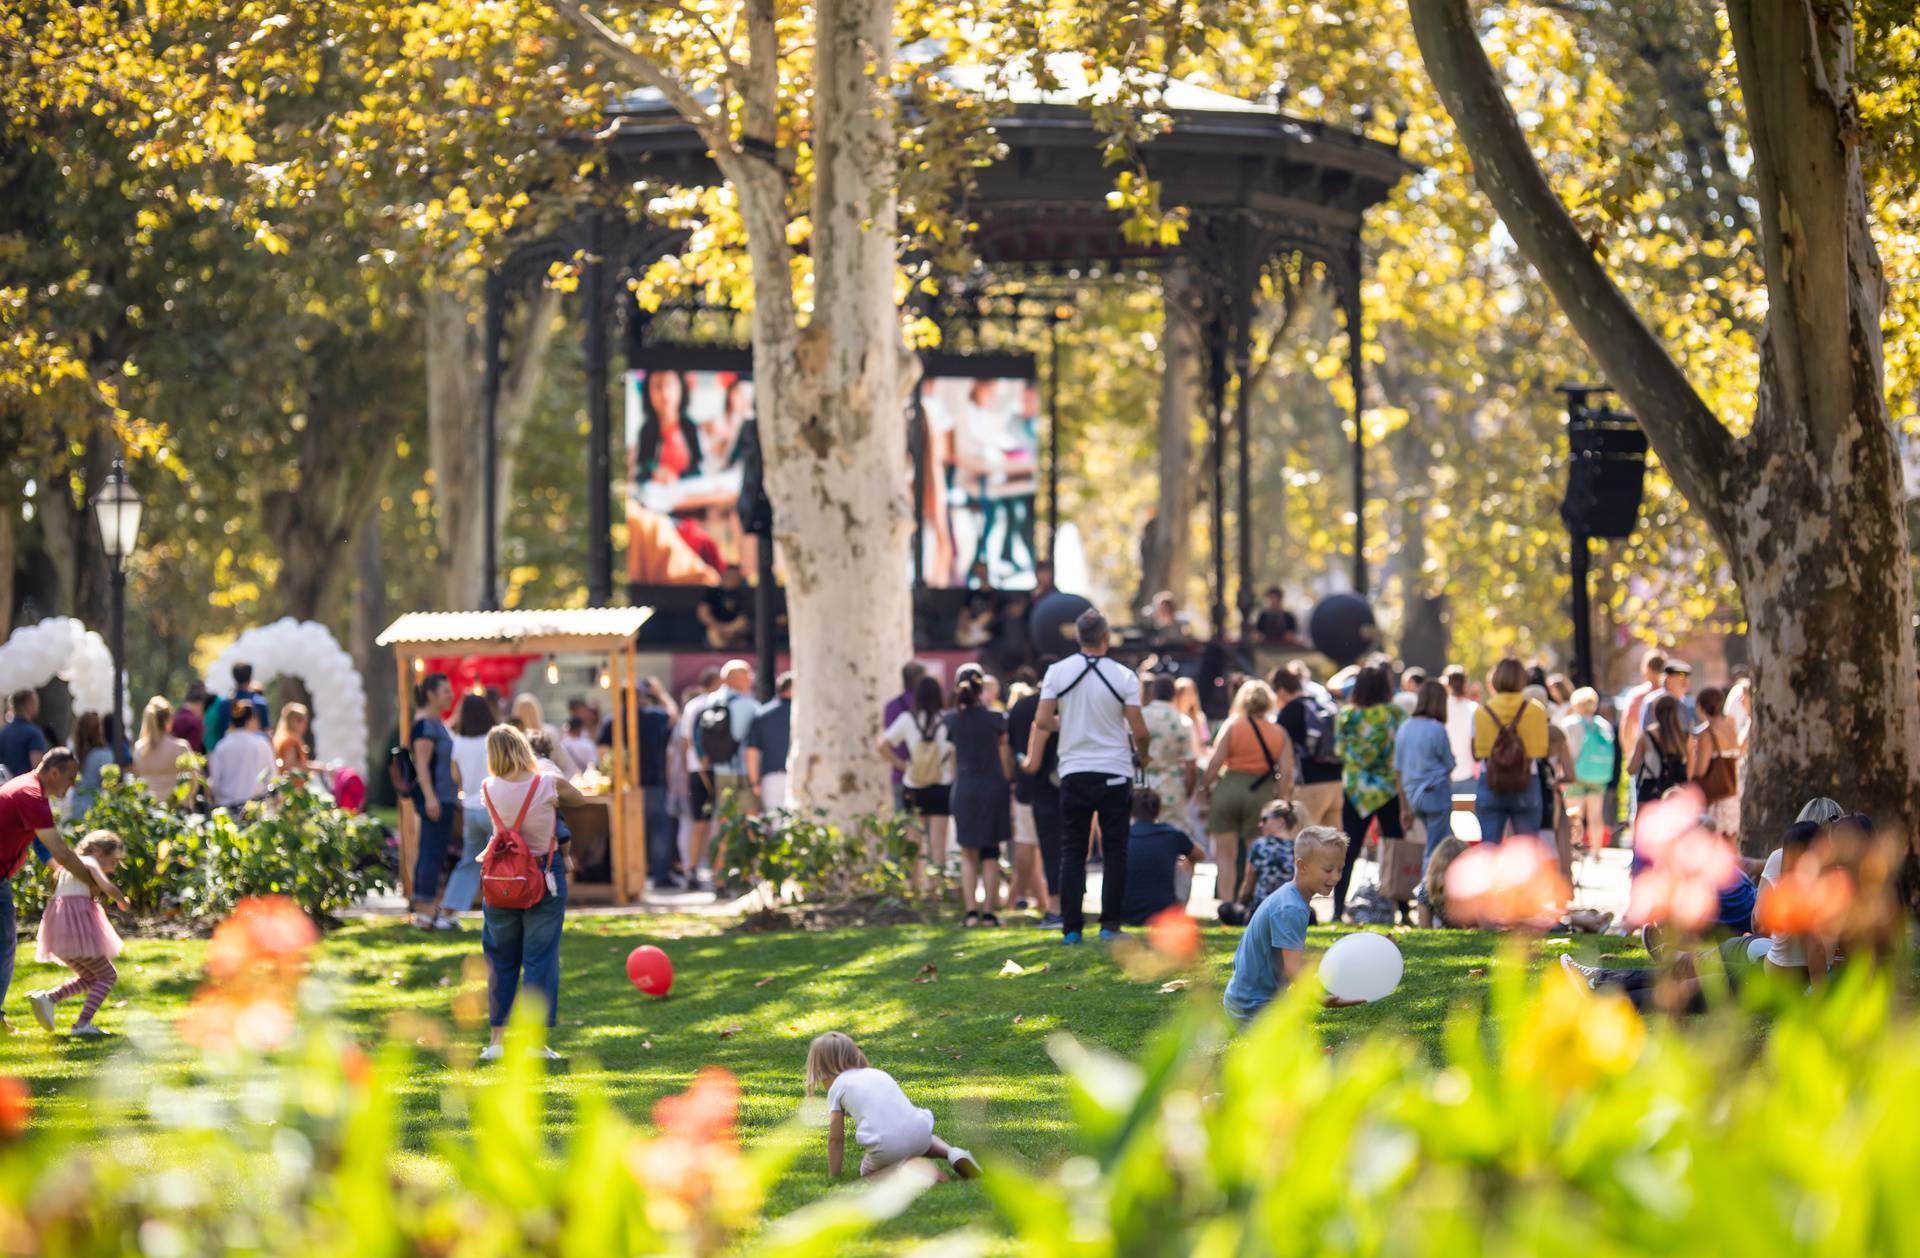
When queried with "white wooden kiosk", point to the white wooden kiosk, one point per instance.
{"points": [[607, 631]]}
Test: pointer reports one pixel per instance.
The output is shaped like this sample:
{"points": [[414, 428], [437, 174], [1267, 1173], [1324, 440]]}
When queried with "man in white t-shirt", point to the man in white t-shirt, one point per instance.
{"points": [[1094, 703]]}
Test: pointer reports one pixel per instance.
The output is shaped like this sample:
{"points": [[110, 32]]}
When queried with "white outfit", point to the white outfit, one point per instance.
{"points": [[1093, 724], [905, 732], [773, 791], [470, 758], [886, 1124], [1460, 734], [239, 767], [585, 752], [1787, 950], [1406, 701]]}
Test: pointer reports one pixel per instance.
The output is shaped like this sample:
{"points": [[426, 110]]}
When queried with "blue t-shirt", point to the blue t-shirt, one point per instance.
{"points": [[772, 734], [440, 768], [1736, 904], [19, 739], [1279, 922]]}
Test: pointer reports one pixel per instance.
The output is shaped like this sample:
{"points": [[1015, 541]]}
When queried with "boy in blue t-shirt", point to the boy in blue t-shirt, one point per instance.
{"points": [[1273, 952]]}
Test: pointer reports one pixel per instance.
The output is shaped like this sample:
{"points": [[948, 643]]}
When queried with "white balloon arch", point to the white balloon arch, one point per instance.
{"points": [[62, 647], [306, 650]]}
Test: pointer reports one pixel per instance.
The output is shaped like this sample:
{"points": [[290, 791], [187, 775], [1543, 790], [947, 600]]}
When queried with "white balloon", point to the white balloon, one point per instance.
{"points": [[306, 650], [1361, 966]]}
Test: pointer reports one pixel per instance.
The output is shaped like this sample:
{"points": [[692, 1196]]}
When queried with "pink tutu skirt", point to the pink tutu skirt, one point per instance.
{"points": [[75, 926]]}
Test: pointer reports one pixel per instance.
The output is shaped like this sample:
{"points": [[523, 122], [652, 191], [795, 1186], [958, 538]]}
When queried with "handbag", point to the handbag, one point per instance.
{"points": [[1721, 779]]}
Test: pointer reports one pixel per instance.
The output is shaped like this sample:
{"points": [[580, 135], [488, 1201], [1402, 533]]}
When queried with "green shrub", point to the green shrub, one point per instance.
{"points": [[1561, 1124], [817, 860], [193, 866]]}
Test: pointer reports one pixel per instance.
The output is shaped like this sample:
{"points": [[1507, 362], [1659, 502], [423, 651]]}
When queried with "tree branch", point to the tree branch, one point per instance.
{"points": [[712, 128], [1695, 447]]}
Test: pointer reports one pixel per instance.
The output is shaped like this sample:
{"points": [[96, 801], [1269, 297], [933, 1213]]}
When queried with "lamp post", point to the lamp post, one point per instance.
{"points": [[117, 509]]}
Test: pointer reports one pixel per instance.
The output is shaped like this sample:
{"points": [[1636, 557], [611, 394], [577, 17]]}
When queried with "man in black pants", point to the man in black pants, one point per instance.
{"points": [[1094, 703]]}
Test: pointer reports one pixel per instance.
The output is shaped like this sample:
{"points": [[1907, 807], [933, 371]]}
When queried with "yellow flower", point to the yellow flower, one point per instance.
{"points": [[1570, 1038]]}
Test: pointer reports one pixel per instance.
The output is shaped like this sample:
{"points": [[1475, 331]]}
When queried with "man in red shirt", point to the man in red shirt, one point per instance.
{"points": [[25, 815]]}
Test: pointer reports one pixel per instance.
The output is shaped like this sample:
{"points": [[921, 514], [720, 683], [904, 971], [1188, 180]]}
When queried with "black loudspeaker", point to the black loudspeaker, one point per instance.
{"points": [[1606, 474], [1051, 623], [756, 510]]}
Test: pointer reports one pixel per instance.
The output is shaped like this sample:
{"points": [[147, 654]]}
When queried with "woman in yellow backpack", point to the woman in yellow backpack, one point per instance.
{"points": [[1509, 736]]}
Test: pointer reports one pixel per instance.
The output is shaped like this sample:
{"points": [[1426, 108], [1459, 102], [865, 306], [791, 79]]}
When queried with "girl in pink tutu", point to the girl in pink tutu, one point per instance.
{"points": [[75, 932]]}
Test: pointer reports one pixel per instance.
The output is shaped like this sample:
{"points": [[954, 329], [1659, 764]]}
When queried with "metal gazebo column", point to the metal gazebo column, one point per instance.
{"points": [[1350, 304], [593, 288], [1216, 335], [1241, 296]]}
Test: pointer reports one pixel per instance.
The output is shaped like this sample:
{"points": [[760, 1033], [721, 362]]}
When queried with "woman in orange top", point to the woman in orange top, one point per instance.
{"points": [[289, 738], [1251, 757]]}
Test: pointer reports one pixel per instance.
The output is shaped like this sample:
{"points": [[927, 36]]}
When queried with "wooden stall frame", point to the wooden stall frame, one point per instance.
{"points": [[626, 811]]}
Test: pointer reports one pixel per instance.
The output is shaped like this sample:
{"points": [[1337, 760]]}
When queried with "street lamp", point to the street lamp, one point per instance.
{"points": [[117, 509]]}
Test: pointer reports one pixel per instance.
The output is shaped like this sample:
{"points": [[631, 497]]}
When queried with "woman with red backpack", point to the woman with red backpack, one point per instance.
{"points": [[1509, 737], [523, 880]]}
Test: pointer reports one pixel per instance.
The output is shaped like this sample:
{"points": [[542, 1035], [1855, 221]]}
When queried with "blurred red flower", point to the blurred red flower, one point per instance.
{"points": [[1503, 885], [705, 1111], [266, 930], [16, 1106], [254, 962], [1173, 933]]}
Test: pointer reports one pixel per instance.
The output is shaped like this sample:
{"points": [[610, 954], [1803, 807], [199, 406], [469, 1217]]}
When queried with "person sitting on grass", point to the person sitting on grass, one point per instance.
{"points": [[1273, 952], [1269, 861], [888, 1127], [1155, 851]]}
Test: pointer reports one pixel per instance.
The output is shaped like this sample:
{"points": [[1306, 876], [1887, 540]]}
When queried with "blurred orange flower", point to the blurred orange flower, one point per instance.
{"points": [[705, 1111], [16, 1106], [693, 1170], [266, 930], [1806, 900], [1173, 933], [1505, 885]]}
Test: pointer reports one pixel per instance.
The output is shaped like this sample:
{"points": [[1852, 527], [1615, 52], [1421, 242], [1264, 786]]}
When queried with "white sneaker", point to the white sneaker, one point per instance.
{"points": [[42, 1006], [1580, 975], [963, 1164], [423, 920], [89, 1031], [490, 1053], [550, 1055], [446, 923]]}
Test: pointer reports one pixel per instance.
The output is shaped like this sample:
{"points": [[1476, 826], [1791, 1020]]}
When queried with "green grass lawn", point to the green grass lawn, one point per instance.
{"points": [[969, 1044]]}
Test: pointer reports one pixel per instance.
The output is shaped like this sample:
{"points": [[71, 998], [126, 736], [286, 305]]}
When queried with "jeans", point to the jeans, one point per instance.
{"points": [[435, 836], [464, 882], [1084, 796], [663, 833], [9, 937], [525, 944], [1439, 824], [1356, 827], [1496, 812]]}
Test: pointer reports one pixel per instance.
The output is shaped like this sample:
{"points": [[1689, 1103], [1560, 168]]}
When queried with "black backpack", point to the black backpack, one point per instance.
{"points": [[1317, 718], [714, 733]]}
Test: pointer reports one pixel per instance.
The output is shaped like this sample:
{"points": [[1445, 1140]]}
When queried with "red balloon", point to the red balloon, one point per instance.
{"points": [[650, 970]]}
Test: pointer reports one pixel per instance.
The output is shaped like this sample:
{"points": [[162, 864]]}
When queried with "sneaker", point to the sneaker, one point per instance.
{"points": [[1110, 933], [490, 1053], [1069, 936], [87, 1031], [1580, 975], [446, 923], [1650, 940], [963, 1164], [1049, 921], [42, 1006], [423, 920], [547, 1053]]}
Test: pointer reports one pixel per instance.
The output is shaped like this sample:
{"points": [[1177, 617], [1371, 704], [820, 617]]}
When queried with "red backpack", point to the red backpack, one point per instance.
{"points": [[511, 876]]}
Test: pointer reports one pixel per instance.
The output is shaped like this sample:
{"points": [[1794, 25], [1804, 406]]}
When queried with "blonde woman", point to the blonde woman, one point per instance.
{"points": [[528, 716], [524, 944], [290, 738], [156, 754], [1251, 758]]}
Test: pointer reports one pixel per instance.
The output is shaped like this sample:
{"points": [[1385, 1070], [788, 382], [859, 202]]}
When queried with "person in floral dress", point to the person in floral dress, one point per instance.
{"points": [[1171, 771], [1363, 737]]}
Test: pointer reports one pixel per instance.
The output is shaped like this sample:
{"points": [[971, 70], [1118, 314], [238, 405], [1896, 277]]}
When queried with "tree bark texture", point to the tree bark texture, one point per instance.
{"points": [[1169, 561], [1807, 506], [455, 336]]}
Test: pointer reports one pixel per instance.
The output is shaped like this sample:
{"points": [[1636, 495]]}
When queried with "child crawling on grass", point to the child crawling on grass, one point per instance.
{"points": [[889, 1127]]}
